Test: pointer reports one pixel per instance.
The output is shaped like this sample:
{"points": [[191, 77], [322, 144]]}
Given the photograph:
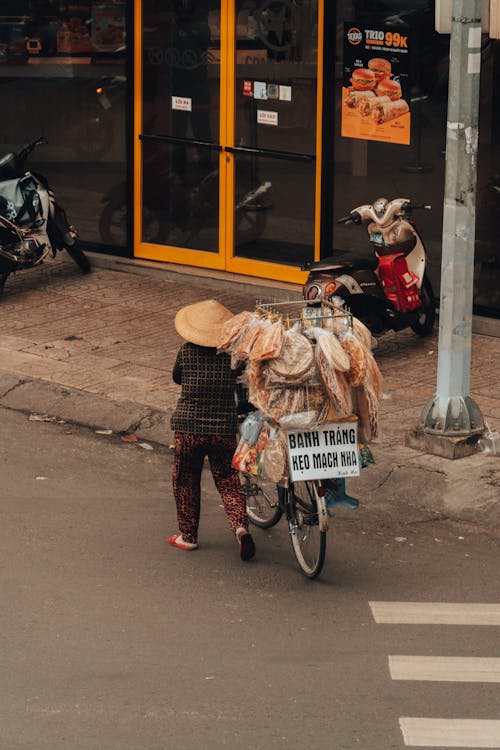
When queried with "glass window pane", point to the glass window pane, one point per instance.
{"points": [[64, 78], [365, 170], [181, 69], [276, 59], [487, 254], [274, 216], [180, 203]]}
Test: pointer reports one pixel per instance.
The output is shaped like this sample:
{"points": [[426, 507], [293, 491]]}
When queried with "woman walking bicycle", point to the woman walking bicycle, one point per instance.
{"points": [[205, 425]]}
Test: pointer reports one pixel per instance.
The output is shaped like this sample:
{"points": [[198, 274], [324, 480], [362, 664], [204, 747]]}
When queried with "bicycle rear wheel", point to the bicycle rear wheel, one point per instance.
{"points": [[263, 507], [308, 542]]}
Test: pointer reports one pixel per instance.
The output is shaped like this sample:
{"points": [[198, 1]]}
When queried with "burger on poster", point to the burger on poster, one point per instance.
{"points": [[380, 67], [363, 79], [389, 87]]}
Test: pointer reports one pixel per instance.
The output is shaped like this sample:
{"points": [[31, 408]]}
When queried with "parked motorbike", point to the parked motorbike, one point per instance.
{"points": [[32, 223], [390, 289], [175, 213]]}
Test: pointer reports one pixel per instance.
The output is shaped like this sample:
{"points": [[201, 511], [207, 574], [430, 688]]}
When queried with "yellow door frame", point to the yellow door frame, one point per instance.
{"points": [[224, 259]]}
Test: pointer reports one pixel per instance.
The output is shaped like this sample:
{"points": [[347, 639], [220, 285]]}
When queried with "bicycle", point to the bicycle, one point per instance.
{"points": [[303, 505], [307, 490]]}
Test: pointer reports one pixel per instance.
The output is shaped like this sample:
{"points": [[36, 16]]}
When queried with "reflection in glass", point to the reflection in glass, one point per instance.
{"points": [[276, 60], [274, 216], [487, 251], [62, 71], [180, 208], [365, 170], [181, 59]]}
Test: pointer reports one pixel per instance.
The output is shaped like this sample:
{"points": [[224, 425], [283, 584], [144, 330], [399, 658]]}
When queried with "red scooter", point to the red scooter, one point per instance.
{"points": [[388, 290]]}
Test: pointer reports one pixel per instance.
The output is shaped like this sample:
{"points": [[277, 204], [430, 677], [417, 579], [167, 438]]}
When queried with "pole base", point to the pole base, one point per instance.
{"points": [[460, 416], [441, 445]]}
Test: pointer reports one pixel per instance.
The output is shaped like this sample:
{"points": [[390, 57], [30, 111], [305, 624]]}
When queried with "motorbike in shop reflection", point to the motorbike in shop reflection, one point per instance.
{"points": [[175, 212], [390, 289], [94, 128], [32, 223]]}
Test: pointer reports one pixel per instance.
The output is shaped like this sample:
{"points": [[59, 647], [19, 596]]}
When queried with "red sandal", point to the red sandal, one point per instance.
{"points": [[246, 545], [176, 540]]}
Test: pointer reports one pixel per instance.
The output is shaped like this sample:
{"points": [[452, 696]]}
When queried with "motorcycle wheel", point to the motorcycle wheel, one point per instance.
{"points": [[80, 258], [425, 322]]}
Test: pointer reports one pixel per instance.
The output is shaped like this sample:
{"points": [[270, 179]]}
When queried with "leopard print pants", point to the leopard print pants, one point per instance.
{"points": [[190, 452]]}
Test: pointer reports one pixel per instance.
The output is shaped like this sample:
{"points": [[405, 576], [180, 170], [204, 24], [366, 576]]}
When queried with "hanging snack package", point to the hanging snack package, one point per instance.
{"points": [[306, 407], [254, 436], [373, 378], [365, 405], [275, 458], [357, 354], [268, 342], [243, 344], [258, 392], [331, 349], [251, 427], [233, 327], [333, 362], [363, 334], [294, 362]]}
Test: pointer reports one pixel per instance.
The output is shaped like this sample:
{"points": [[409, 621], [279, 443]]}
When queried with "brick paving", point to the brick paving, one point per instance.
{"points": [[112, 334]]}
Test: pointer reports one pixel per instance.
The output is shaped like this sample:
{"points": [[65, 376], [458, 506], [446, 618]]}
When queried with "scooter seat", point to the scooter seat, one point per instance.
{"points": [[370, 262]]}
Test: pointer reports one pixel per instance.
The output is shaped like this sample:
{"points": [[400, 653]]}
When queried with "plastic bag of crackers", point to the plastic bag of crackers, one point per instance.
{"points": [[305, 369]]}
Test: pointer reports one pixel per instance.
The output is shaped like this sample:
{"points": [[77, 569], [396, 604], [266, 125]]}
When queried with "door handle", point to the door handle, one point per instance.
{"points": [[181, 141], [286, 155]]}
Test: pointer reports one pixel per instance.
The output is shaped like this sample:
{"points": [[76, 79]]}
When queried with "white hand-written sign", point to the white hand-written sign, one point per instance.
{"points": [[265, 117], [184, 103], [325, 452]]}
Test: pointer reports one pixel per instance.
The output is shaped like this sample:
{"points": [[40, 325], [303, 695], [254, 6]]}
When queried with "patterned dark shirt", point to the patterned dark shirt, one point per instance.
{"points": [[207, 404]]}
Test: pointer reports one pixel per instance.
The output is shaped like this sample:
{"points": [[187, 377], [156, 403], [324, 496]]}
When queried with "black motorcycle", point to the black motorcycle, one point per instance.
{"points": [[32, 223]]}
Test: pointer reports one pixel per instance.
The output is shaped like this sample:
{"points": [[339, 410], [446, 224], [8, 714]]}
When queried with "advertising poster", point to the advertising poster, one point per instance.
{"points": [[375, 86]]}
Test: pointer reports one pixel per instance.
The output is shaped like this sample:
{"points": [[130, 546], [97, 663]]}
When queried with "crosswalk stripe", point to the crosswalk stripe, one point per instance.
{"points": [[445, 668], [435, 613], [477, 733]]}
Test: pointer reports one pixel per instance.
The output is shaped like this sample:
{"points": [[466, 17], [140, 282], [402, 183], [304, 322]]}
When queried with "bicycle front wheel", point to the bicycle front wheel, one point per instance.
{"points": [[308, 542], [263, 507]]}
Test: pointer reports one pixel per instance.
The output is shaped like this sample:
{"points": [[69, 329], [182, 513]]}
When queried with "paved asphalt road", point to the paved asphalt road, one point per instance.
{"points": [[111, 640]]}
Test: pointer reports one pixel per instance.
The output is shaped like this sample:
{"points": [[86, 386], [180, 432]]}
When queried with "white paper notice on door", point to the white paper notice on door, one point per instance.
{"points": [[285, 93], [259, 90], [184, 103], [267, 118]]}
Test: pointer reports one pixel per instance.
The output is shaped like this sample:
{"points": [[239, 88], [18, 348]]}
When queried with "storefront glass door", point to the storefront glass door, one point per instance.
{"points": [[275, 127], [226, 134], [179, 129]]}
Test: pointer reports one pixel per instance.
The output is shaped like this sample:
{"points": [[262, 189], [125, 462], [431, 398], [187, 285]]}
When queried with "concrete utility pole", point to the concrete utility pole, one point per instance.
{"points": [[451, 420]]}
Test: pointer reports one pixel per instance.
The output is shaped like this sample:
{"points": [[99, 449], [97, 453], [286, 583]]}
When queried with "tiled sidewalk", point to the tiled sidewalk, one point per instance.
{"points": [[112, 334]]}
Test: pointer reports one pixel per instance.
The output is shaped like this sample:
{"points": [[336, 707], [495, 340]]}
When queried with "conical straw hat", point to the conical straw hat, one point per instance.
{"points": [[201, 323]]}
